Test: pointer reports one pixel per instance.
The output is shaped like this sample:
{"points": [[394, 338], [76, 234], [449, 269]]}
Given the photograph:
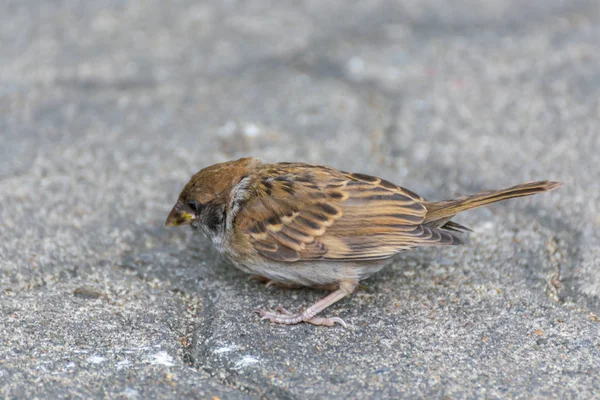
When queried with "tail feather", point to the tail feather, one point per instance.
{"points": [[442, 211], [455, 227]]}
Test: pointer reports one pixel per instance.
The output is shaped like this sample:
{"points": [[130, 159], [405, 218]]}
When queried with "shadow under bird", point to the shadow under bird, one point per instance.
{"points": [[295, 224]]}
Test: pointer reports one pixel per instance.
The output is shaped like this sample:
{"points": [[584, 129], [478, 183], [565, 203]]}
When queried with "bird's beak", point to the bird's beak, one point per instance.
{"points": [[178, 217]]}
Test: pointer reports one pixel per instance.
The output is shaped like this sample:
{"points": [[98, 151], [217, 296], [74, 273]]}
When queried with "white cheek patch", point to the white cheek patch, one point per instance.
{"points": [[239, 194]]}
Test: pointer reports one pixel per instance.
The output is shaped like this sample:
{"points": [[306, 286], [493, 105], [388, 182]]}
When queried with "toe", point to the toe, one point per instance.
{"points": [[321, 321], [283, 311]]}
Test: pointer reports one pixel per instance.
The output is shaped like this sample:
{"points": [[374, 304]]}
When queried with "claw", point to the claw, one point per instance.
{"points": [[339, 321]]}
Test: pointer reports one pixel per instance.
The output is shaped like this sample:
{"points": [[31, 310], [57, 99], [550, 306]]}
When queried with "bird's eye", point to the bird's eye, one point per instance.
{"points": [[194, 205]]}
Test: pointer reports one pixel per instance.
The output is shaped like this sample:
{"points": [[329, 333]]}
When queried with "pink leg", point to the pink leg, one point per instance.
{"points": [[309, 315]]}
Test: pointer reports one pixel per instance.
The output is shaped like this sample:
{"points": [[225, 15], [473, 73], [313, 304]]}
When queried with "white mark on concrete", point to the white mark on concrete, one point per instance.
{"points": [[134, 350], [245, 362], [123, 364], [356, 67], [225, 349], [96, 359], [130, 393], [251, 130], [162, 358], [487, 226]]}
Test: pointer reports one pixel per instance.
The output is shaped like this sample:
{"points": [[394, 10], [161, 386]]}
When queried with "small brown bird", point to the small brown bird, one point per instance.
{"points": [[295, 224]]}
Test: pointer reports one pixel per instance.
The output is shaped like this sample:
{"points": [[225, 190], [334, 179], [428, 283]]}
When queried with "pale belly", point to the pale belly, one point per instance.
{"points": [[314, 272], [307, 273]]}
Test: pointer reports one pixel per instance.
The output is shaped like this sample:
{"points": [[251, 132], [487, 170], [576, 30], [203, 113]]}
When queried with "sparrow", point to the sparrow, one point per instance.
{"points": [[296, 224]]}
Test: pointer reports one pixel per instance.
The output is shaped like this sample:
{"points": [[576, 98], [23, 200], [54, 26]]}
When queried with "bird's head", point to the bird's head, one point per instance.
{"points": [[203, 202]]}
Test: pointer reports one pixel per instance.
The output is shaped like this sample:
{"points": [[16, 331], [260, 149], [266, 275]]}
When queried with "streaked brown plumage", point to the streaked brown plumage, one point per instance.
{"points": [[301, 224]]}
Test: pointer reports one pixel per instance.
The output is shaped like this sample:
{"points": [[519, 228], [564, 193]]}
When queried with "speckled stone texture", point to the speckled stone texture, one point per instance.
{"points": [[108, 107]]}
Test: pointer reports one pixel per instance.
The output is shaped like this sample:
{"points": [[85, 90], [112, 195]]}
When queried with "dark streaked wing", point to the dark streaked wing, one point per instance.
{"points": [[318, 213]]}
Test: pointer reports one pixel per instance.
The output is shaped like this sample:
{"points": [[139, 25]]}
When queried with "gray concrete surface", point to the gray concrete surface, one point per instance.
{"points": [[107, 108]]}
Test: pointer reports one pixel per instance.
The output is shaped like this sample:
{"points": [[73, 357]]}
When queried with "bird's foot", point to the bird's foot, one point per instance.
{"points": [[283, 316]]}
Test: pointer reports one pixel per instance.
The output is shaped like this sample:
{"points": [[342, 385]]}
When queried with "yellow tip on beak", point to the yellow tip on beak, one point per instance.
{"points": [[177, 217]]}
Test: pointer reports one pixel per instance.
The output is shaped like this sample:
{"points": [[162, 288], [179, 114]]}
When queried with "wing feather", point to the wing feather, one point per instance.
{"points": [[302, 212]]}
